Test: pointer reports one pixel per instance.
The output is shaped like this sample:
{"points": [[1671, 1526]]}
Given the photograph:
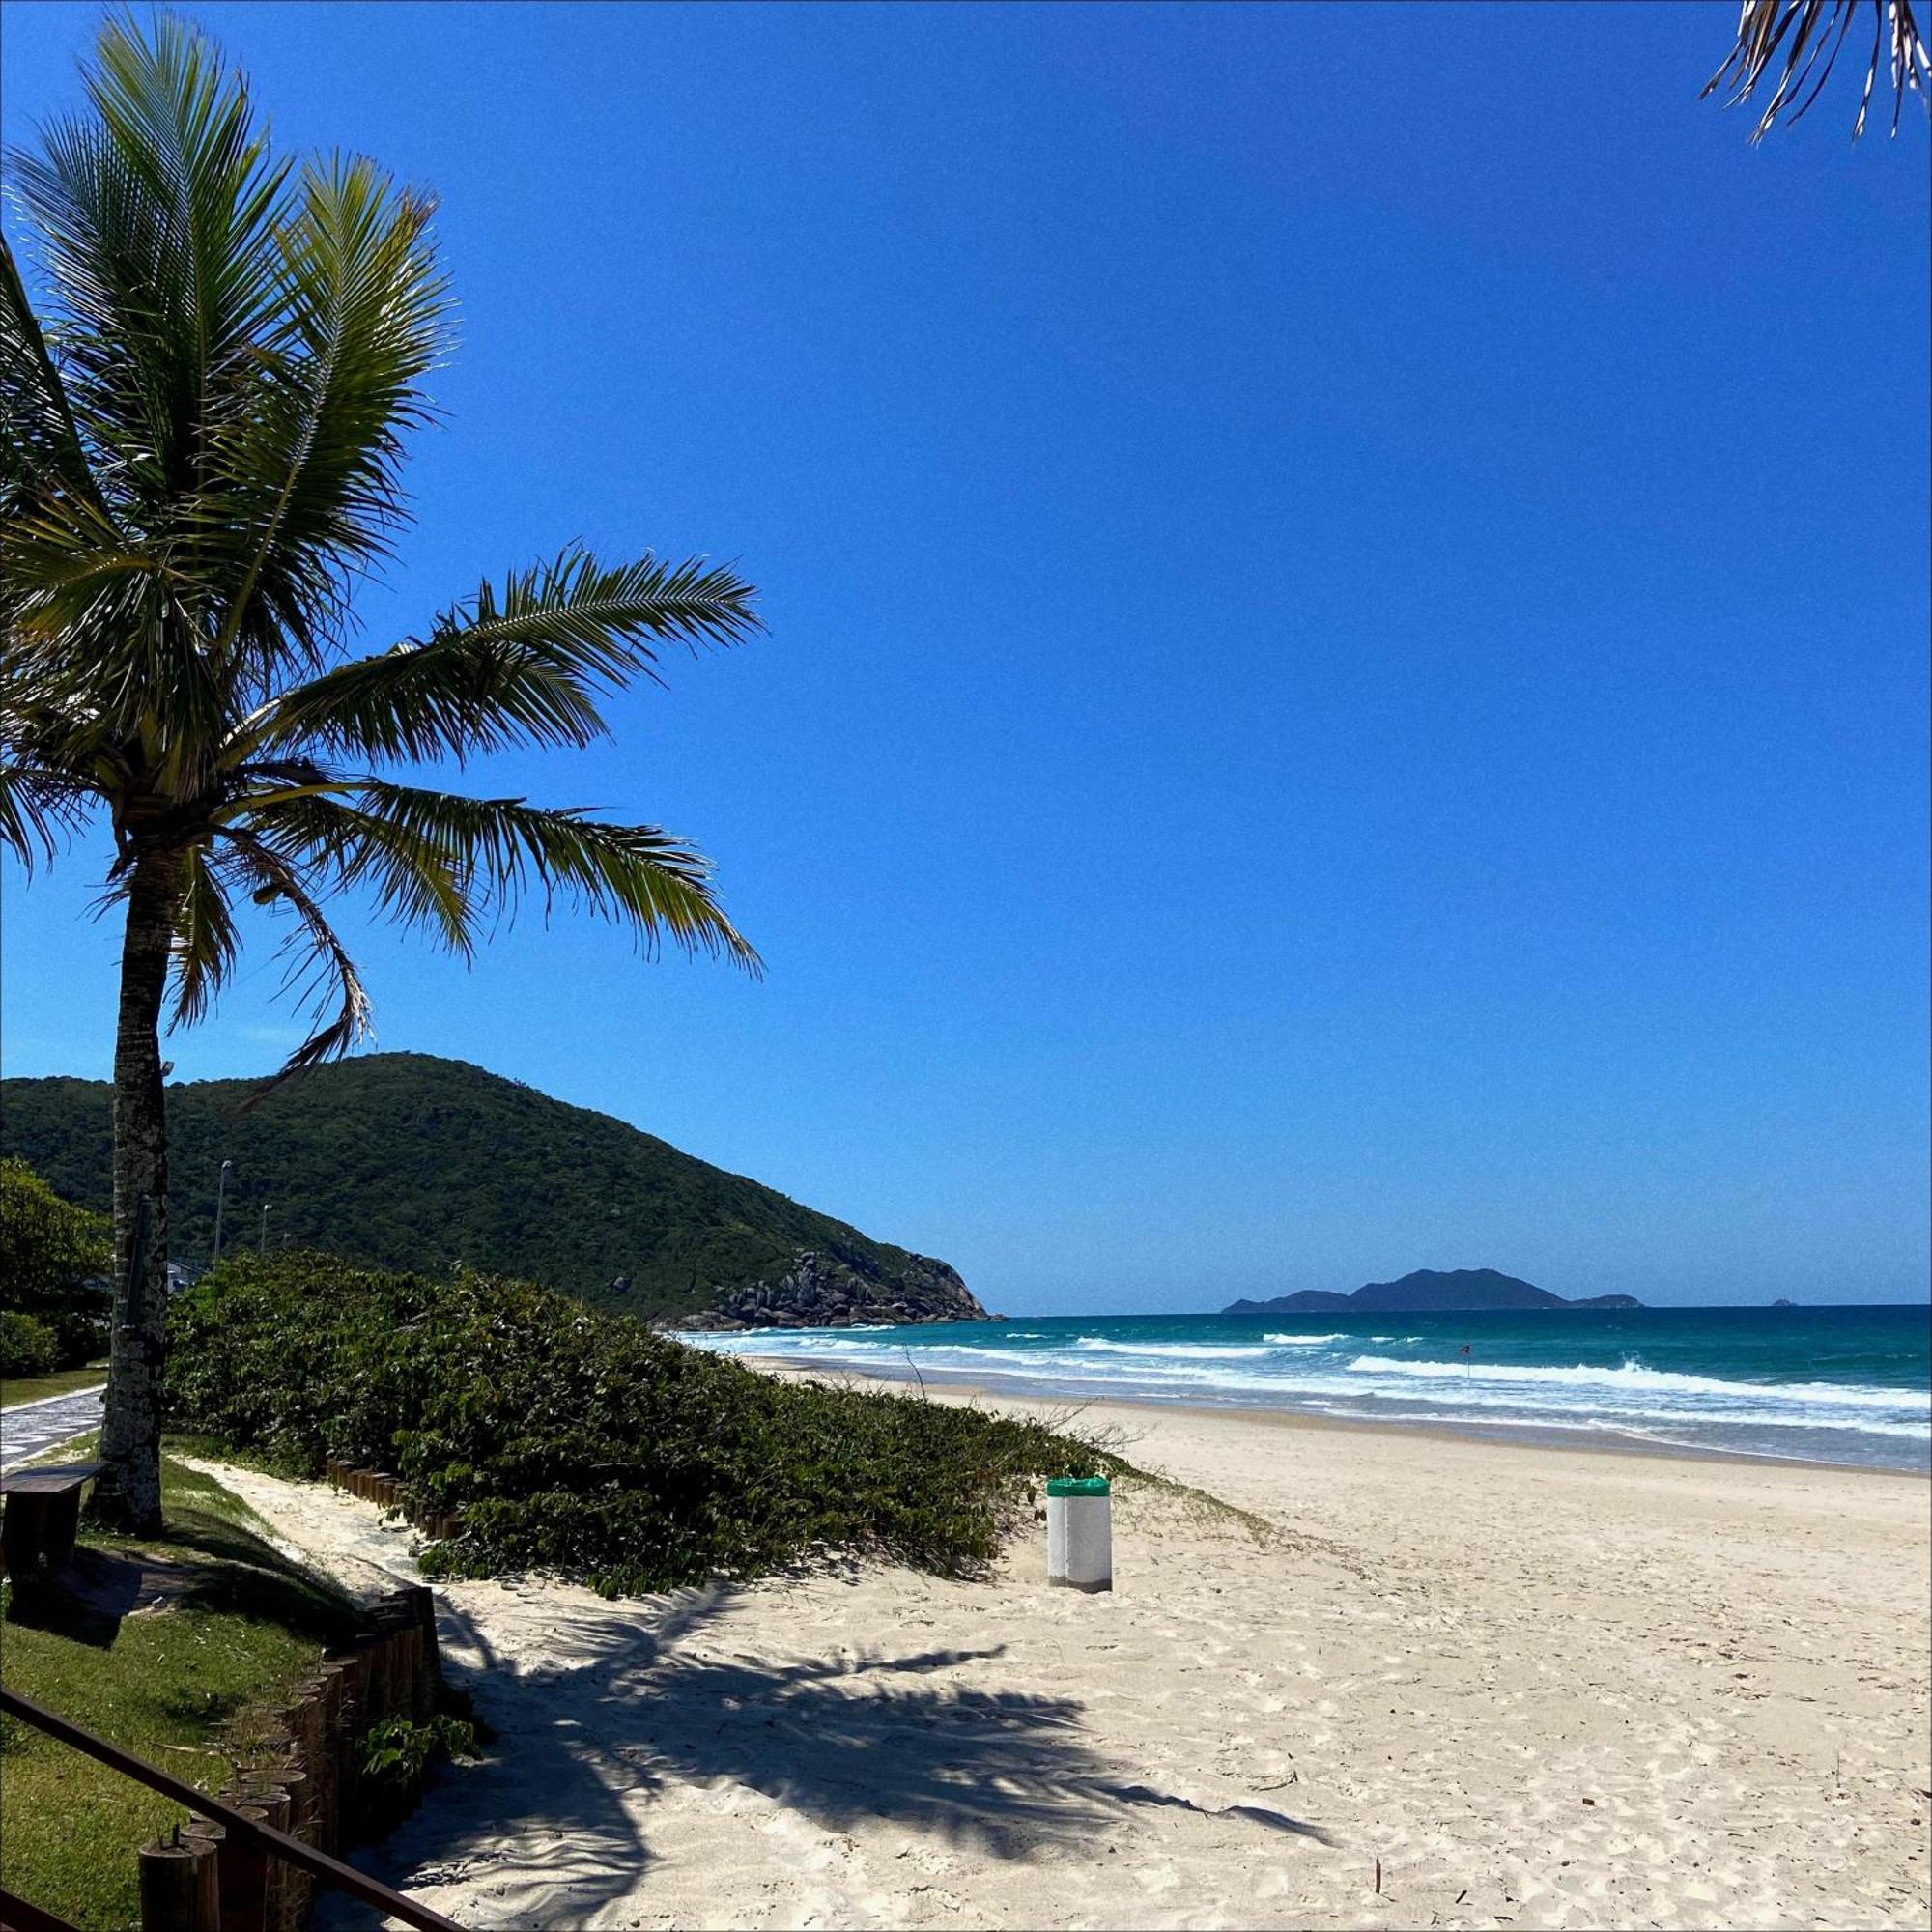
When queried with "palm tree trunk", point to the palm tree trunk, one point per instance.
{"points": [[129, 1491]]}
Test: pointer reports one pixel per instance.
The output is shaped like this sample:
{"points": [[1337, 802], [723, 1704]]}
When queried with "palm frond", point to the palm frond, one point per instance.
{"points": [[320, 974], [157, 216], [519, 667], [1801, 39], [505, 849], [415, 882], [38, 812], [606, 617], [206, 942], [204, 425], [308, 484], [41, 451]]}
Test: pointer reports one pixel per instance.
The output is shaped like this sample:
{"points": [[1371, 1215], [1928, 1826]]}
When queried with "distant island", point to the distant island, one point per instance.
{"points": [[1427, 1291]]}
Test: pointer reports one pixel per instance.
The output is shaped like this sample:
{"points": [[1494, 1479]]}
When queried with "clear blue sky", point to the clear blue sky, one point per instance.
{"points": [[1348, 590]]}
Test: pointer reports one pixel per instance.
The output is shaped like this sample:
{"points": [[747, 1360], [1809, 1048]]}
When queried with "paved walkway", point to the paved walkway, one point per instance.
{"points": [[35, 1427]]}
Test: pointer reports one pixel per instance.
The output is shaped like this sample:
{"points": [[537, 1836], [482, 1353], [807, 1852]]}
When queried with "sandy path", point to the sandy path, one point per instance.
{"points": [[1542, 1687]]}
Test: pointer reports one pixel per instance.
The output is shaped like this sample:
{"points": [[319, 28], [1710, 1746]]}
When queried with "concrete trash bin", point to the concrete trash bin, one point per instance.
{"points": [[1080, 1532]]}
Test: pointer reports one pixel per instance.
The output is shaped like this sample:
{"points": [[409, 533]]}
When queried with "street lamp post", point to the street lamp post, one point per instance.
{"points": [[265, 1227], [220, 1201]]}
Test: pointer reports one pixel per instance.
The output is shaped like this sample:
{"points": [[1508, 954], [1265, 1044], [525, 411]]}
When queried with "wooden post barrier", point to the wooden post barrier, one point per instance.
{"points": [[336, 1732], [381, 1677], [204, 1834], [391, 1492], [305, 1721], [260, 1792], [242, 1869], [176, 1896], [300, 1888], [180, 1888], [421, 1600]]}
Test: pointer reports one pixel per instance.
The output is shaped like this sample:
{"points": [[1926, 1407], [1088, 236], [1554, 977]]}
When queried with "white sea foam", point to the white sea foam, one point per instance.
{"points": [[1178, 1352], [1633, 1377], [1311, 1372]]}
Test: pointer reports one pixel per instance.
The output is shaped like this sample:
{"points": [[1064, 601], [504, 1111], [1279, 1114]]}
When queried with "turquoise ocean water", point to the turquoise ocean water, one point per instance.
{"points": [[1828, 1385]]}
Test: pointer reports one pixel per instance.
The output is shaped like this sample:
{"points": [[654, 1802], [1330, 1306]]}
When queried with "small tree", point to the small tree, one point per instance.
{"points": [[204, 428], [53, 1264]]}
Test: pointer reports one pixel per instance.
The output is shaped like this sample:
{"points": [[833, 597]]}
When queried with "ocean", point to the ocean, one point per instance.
{"points": [[1821, 1384]]}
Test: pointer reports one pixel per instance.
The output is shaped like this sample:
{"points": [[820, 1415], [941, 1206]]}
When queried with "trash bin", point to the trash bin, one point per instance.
{"points": [[1080, 1532]]}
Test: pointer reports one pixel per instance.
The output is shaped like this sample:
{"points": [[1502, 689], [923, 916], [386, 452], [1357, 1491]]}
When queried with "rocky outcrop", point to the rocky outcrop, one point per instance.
{"points": [[840, 1288]]}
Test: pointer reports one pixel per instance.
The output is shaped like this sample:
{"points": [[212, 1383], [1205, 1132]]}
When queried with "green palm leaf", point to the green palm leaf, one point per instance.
{"points": [[517, 668], [207, 399], [505, 850]]}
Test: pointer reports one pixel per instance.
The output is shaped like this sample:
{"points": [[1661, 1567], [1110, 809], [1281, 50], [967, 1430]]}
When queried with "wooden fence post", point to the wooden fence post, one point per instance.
{"points": [[180, 1888]]}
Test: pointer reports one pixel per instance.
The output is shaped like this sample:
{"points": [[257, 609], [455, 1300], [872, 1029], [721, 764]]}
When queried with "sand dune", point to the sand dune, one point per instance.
{"points": [[1541, 1687]]}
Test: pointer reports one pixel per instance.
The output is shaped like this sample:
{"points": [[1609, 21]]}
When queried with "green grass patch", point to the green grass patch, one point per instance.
{"points": [[586, 1445], [240, 1628], [16, 1389]]}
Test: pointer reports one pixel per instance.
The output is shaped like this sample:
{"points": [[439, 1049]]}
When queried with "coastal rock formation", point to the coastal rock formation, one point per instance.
{"points": [[1456, 1290], [840, 1288]]}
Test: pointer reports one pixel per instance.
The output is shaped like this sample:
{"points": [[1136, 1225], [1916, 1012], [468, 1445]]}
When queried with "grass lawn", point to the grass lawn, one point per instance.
{"points": [[16, 1389], [244, 1627]]}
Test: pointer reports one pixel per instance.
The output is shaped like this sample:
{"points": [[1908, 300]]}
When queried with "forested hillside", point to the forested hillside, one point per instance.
{"points": [[414, 1162]]}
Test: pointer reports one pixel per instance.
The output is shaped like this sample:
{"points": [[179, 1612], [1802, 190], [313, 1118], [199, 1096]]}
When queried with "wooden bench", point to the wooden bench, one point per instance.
{"points": [[42, 1516]]}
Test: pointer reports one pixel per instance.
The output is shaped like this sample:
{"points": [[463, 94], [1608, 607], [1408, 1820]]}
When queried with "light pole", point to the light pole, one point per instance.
{"points": [[265, 1227], [220, 1201]]}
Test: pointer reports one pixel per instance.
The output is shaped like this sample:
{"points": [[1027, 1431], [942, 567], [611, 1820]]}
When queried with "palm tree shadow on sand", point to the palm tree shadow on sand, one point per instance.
{"points": [[553, 1826]]}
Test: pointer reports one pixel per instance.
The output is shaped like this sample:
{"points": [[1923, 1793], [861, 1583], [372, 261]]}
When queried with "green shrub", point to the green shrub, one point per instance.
{"points": [[28, 1347], [393, 1761], [53, 1257], [582, 1445]]}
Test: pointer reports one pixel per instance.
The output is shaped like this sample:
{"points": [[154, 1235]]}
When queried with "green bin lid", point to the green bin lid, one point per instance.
{"points": [[1076, 1486]]}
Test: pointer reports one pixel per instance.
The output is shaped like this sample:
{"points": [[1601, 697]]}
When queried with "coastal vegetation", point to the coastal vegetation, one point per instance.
{"points": [[53, 1305], [223, 1623], [582, 1444], [207, 399], [402, 1160]]}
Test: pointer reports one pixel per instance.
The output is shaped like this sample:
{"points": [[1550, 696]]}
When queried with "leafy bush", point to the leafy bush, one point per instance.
{"points": [[393, 1761], [27, 1346], [583, 1444], [52, 1256]]}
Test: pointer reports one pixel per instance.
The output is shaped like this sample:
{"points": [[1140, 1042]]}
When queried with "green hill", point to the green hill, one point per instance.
{"points": [[413, 1162]]}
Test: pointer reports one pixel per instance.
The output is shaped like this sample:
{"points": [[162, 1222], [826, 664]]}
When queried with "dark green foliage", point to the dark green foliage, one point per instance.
{"points": [[392, 1762], [402, 1160], [53, 1258], [582, 1445], [27, 1346]]}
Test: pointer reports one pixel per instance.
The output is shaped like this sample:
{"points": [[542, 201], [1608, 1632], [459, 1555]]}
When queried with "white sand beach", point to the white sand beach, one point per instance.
{"points": [[1540, 1687]]}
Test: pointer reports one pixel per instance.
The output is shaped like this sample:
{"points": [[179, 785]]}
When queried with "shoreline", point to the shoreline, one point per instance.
{"points": [[1398, 1680], [1580, 1442]]}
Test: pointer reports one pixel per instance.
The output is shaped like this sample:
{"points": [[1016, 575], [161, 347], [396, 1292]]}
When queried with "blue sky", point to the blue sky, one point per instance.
{"points": [[1347, 591]]}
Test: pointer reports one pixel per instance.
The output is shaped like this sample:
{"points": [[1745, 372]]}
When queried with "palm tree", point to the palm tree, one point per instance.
{"points": [[1801, 39], [203, 434]]}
